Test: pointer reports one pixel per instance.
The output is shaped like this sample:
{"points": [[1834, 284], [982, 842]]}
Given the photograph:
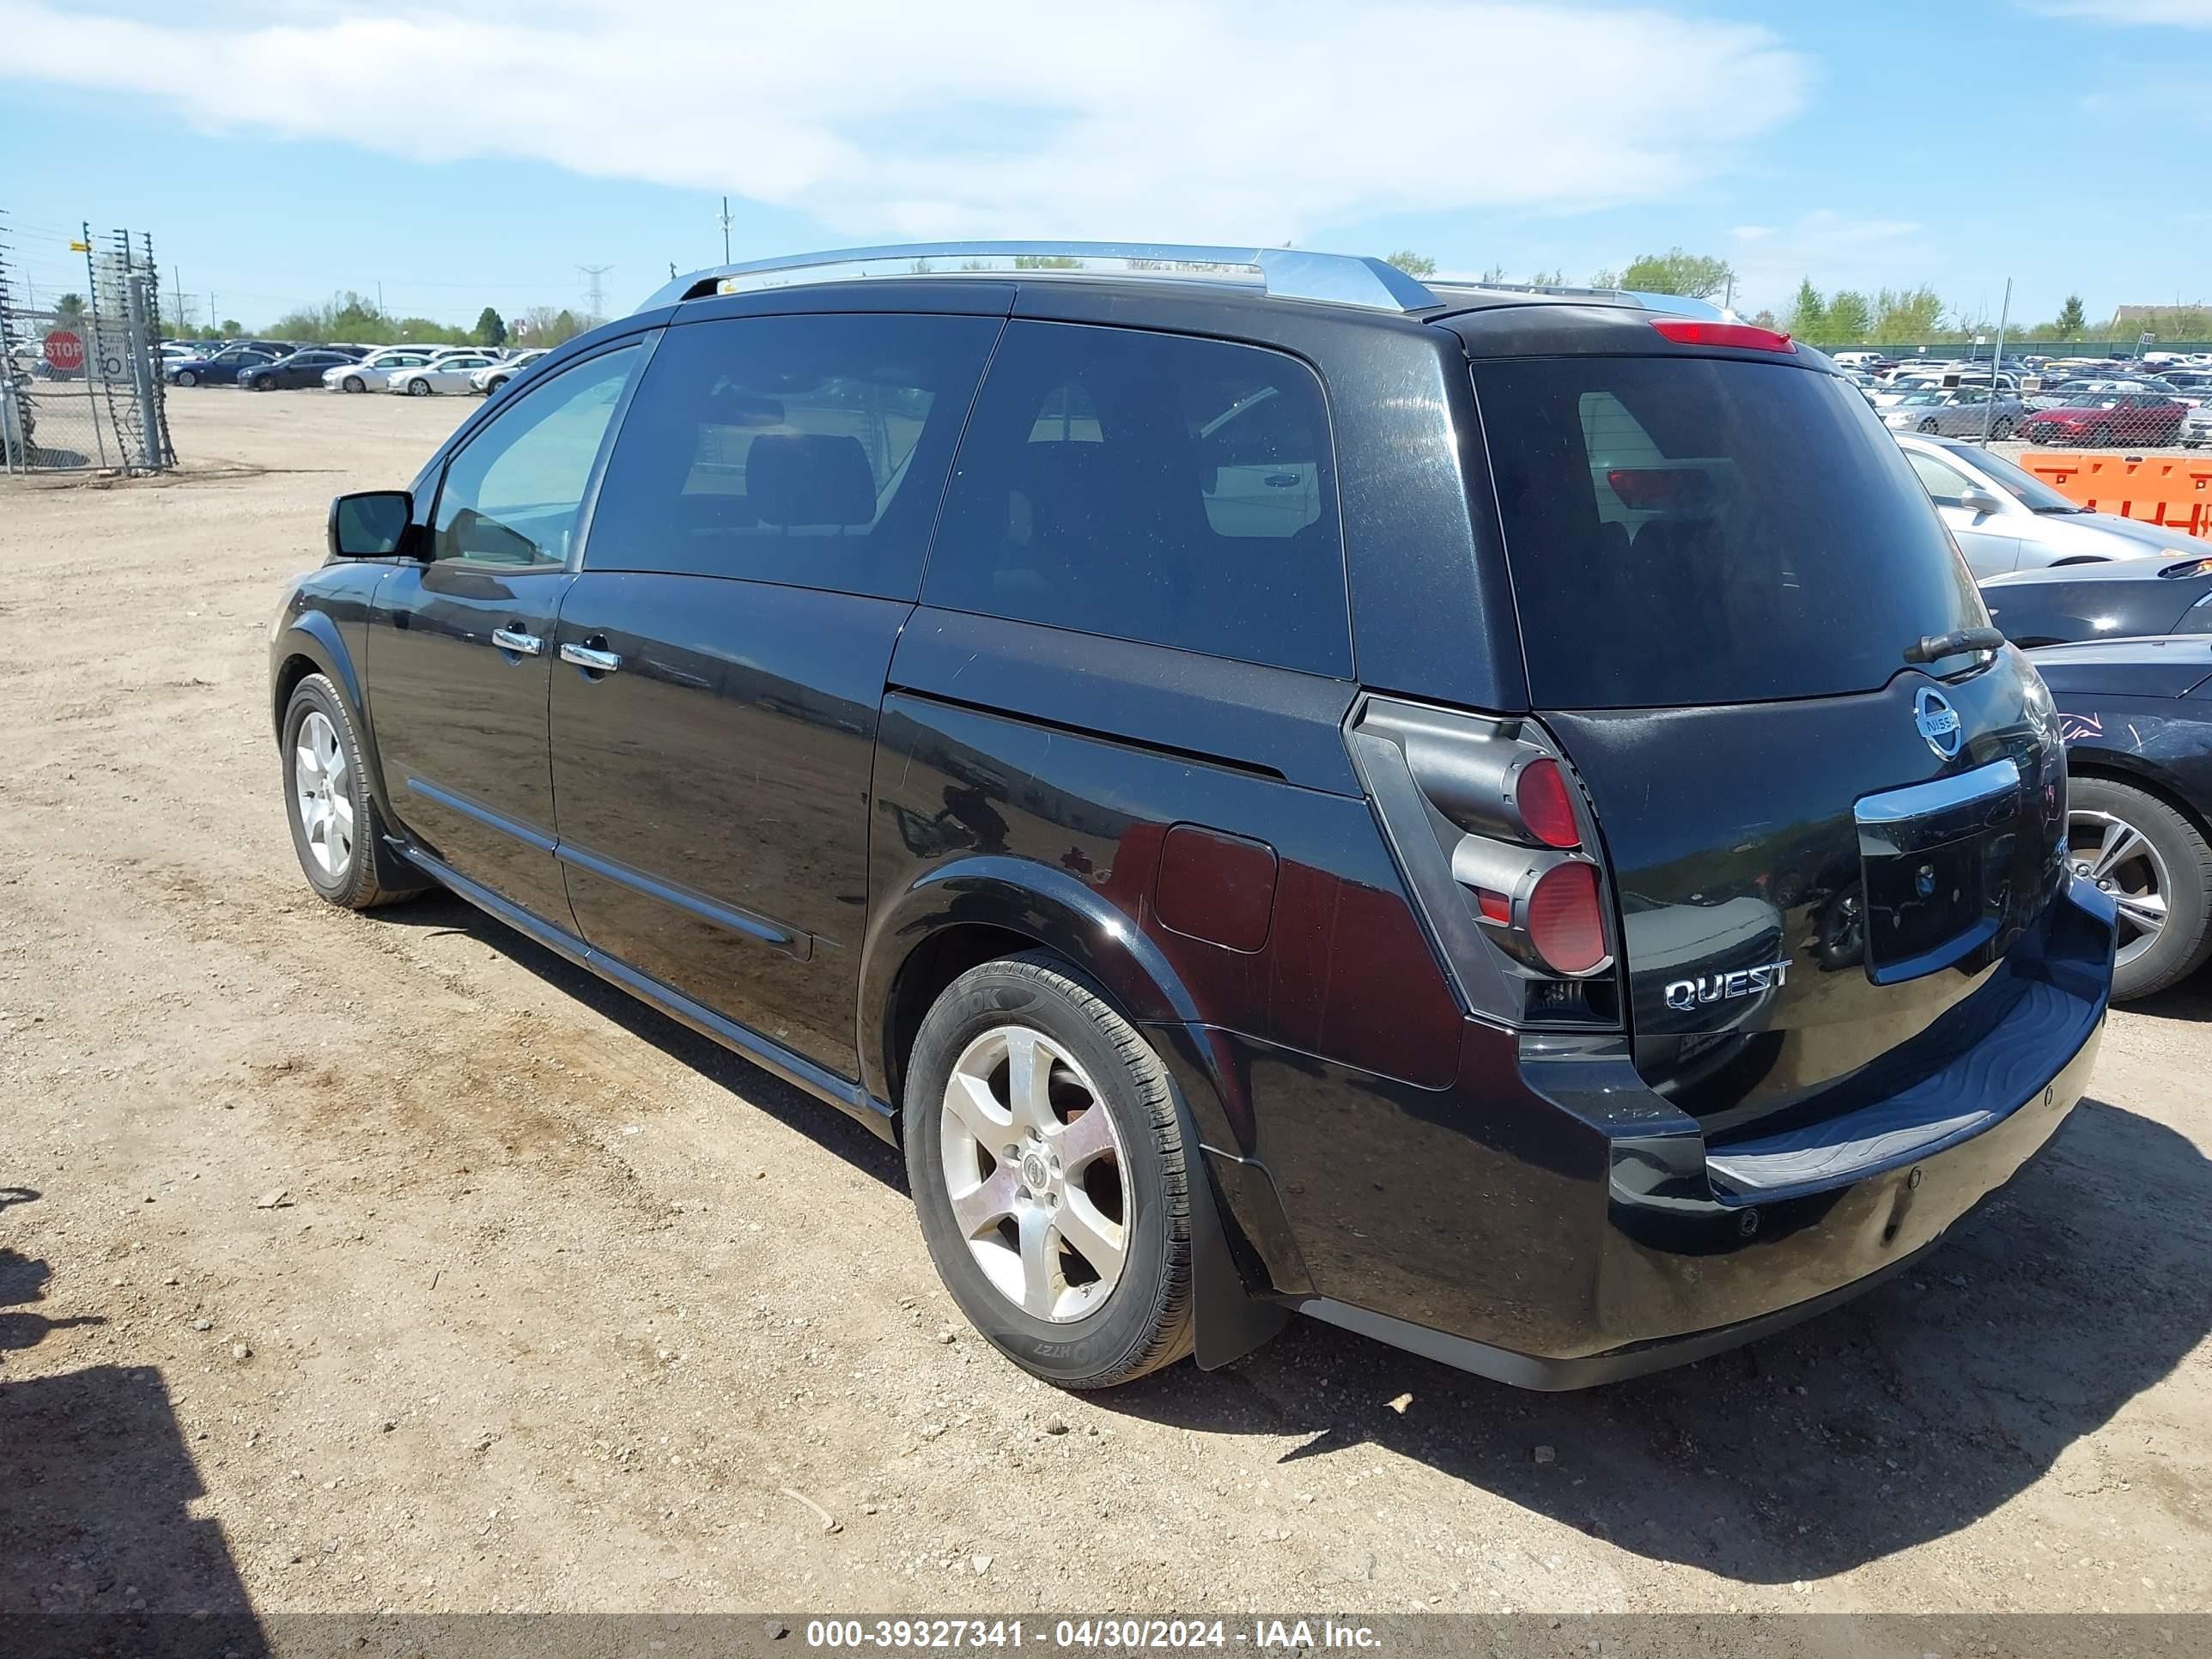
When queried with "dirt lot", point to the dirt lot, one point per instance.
{"points": [[357, 1263]]}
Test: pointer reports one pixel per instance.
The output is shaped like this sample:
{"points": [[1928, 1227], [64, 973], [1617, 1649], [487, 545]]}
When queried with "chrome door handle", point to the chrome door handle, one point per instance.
{"points": [[600, 662], [522, 644]]}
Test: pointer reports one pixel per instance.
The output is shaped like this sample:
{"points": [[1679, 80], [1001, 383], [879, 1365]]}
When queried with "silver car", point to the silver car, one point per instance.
{"points": [[374, 371], [1966, 411], [450, 373], [2005, 518]]}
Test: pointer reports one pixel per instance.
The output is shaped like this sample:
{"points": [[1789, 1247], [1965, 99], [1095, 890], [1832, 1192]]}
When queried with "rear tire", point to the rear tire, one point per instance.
{"points": [[1027, 1247], [335, 829], [2157, 867]]}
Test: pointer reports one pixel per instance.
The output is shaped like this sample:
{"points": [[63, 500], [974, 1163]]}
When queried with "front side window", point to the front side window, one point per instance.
{"points": [[512, 495], [810, 451], [1946, 486], [1153, 487]]}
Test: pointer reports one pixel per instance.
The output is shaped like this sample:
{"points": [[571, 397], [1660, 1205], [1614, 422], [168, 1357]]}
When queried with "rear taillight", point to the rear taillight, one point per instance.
{"points": [[1564, 923], [1495, 837], [1688, 331], [1540, 799]]}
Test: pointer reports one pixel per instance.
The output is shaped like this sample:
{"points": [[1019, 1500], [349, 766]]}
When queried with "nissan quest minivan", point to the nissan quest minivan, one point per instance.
{"points": [[1493, 818]]}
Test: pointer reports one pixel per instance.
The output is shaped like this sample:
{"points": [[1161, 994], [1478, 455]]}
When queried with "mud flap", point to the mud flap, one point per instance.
{"points": [[1228, 1321]]}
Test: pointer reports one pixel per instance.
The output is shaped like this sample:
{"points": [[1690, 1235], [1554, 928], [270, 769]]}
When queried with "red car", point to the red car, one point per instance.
{"points": [[2094, 419]]}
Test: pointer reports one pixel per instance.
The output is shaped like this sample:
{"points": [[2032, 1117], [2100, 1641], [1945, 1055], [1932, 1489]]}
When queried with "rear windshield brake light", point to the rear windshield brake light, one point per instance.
{"points": [[1687, 331]]}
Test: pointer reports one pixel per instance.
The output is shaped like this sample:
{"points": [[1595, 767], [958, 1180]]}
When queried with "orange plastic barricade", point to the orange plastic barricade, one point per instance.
{"points": [[2168, 489]]}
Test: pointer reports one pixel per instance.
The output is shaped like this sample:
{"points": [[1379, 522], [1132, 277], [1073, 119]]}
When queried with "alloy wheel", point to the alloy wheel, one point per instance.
{"points": [[322, 794], [2120, 859], [1036, 1172]]}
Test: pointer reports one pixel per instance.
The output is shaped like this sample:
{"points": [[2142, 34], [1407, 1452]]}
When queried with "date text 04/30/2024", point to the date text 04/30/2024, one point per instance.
{"points": [[1110, 1634]]}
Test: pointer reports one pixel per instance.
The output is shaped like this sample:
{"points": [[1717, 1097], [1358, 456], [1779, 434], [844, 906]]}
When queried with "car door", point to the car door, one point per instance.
{"points": [[755, 549], [1990, 545], [459, 645]]}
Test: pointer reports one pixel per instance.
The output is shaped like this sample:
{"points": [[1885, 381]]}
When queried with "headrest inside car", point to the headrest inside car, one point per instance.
{"points": [[809, 478]]}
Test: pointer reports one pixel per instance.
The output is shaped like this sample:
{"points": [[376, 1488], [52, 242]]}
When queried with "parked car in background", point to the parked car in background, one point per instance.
{"points": [[222, 369], [1093, 727], [1966, 411], [371, 372], [2064, 604], [2095, 419], [450, 373], [493, 376], [2004, 518], [2197, 427], [2137, 719], [302, 368]]}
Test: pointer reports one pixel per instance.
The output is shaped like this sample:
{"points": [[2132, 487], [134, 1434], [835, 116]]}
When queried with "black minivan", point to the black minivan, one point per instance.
{"points": [[1496, 819]]}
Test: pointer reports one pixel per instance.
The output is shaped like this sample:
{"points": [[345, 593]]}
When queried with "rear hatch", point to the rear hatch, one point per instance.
{"points": [[1822, 854]]}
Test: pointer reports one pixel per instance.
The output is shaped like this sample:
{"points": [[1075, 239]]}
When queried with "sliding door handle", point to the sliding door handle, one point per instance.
{"points": [[514, 640], [597, 662]]}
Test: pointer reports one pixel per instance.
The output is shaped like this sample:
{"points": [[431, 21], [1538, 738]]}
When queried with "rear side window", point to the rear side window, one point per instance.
{"points": [[1685, 531], [1150, 487], [810, 450]]}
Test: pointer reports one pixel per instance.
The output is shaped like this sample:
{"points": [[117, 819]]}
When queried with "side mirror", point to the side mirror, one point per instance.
{"points": [[1980, 502], [372, 524]]}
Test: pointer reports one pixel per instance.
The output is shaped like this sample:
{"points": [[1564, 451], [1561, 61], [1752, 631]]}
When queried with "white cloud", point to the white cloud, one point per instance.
{"points": [[2171, 14], [1836, 252], [1203, 120]]}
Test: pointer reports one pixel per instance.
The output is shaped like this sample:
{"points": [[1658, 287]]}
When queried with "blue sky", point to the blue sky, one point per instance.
{"points": [[477, 152]]}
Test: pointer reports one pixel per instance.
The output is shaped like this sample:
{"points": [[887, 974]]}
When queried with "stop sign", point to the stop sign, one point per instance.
{"points": [[65, 350]]}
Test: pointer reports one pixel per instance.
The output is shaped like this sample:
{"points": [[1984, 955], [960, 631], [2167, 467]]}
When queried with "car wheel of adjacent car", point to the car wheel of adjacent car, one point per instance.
{"points": [[1929, 425], [1047, 1166], [2101, 438], [418, 388], [353, 383], [2003, 429], [2157, 868], [335, 825], [185, 377], [494, 384]]}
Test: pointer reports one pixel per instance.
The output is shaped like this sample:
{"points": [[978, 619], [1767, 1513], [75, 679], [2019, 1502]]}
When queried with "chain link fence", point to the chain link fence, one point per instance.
{"points": [[81, 381]]}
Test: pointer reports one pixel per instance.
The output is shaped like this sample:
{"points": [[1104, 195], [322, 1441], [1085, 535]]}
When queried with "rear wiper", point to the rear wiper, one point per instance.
{"points": [[1929, 646]]}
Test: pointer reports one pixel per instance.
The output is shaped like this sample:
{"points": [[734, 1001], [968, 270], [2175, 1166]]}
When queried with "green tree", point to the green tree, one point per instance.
{"points": [[1809, 313], [1413, 264], [491, 328], [1905, 316], [1766, 319], [2072, 318], [1699, 276], [1850, 319], [230, 329], [69, 309], [1549, 279]]}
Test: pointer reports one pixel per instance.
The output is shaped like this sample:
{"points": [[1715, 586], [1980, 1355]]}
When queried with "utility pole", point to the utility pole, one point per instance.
{"points": [[724, 221], [597, 292], [1990, 408]]}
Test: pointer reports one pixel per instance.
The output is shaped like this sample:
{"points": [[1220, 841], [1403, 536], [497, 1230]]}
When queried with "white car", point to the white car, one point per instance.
{"points": [[2197, 427], [374, 371], [450, 373], [489, 381]]}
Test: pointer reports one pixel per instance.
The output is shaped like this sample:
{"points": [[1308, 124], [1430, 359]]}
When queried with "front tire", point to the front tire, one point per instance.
{"points": [[2156, 865], [1046, 1159], [2003, 429], [185, 377], [353, 383], [336, 827], [418, 388]]}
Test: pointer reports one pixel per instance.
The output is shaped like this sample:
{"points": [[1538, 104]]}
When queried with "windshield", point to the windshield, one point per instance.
{"points": [[2020, 484], [1690, 531]]}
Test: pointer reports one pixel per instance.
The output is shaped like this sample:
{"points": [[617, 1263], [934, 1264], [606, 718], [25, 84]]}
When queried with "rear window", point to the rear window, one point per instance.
{"points": [[1686, 530]]}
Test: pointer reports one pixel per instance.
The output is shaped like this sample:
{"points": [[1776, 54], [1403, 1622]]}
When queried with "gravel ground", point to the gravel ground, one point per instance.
{"points": [[352, 1263]]}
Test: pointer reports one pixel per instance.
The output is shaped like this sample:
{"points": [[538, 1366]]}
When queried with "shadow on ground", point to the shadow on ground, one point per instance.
{"points": [[442, 913], [98, 1551], [1902, 1418]]}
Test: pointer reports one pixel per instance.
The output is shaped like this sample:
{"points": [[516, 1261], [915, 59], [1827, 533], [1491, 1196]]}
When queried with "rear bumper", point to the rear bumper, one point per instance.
{"points": [[1565, 1226]]}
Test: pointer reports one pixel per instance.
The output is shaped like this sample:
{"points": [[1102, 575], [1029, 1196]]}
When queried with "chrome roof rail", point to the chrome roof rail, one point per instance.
{"points": [[1282, 272], [1674, 305]]}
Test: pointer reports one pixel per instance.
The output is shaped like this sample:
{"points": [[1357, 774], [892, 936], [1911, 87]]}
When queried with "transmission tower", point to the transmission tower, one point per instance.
{"points": [[595, 292]]}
